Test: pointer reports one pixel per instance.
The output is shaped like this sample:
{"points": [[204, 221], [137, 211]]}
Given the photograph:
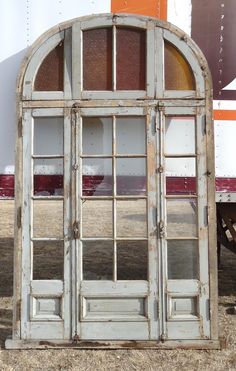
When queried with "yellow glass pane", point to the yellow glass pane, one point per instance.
{"points": [[178, 74]]}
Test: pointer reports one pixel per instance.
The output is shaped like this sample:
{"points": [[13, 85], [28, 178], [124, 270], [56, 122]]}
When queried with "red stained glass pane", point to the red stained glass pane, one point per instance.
{"points": [[178, 74], [50, 75], [131, 59], [97, 59]]}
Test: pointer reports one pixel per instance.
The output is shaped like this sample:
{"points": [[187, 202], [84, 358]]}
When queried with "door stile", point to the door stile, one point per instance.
{"points": [[153, 303], [161, 220], [203, 224], [75, 224], [67, 224], [26, 223]]}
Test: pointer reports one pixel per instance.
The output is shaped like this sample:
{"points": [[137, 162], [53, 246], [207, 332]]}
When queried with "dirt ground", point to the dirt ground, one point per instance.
{"points": [[72, 359]]}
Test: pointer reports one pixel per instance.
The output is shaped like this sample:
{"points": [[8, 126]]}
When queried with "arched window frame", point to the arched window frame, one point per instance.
{"points": [[156, 96]]}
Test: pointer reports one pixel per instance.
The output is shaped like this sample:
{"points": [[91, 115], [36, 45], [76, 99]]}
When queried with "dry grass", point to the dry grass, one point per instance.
{"points": [[71, 359]]}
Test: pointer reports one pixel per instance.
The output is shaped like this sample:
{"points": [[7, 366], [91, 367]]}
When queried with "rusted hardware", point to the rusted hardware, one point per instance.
{"points": [[76, 231], [76, 339], [160, 169], [161, 229]]}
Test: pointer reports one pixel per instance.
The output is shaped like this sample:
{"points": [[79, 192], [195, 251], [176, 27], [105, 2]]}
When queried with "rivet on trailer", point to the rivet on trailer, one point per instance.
{"points": [[115, 246]]}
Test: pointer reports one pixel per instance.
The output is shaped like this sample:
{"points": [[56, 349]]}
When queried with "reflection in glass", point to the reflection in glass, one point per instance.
{"points": [[131, 135], [48, 136], [131, 59], [131, 218], [48, 260], [50, 75], [97, 218], [97, 135], [182, 259], [48, 218], [181, 217], [97, 177], [131, 176], [97, 260], [180, 135], [48, 177], [132, 260], [178, 73], [97, 59]]}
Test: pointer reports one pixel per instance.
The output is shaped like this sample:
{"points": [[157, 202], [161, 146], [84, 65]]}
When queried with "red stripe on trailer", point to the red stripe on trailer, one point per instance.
{"points": [[152, 8], [53, 185], [224, 114]]}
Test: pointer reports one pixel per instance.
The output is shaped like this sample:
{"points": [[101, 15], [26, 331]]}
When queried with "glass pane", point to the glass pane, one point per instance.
{"points": [[97, 59], [50, 74], [131, 176], [48, 136], [182, 259], [97, 260], [48, 218], [132, 260], [97, 177], [181, 176], [131, 218], [48, 177], [181, 217], [97, 218], [178, 73], [97, 135], [131, 59], [131, 135], [48, 260], [180, 135]]}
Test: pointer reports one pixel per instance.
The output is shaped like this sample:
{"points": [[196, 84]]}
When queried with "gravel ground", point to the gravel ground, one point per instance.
{"points": [[72, 359]]}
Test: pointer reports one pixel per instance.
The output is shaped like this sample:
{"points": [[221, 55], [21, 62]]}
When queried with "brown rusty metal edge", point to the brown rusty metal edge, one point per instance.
{"points": [[109, 345]]}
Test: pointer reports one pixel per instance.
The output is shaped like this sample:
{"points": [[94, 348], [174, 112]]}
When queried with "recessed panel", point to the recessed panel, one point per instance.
{"points": [[48, 177], [183, 307], [179, 135], [97, 59], [97, 220], [114, 308], [131, 59], [98, 260], [131, 176], [97, 136], [97, 177], [131, 218], [132, 260], [46, 308], [48, 136], [48, 260], [181, 217], [131, 135], [182, 258], [48, 218]]}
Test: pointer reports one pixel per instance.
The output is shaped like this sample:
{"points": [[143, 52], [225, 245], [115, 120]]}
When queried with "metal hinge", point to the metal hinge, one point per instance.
{"points": [[18, 218], [160, 169], [161, 229], [20, 127], [76, 228]]}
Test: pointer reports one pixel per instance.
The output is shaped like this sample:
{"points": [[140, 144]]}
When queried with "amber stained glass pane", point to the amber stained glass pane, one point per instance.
{"points": [[131, 59], [50, 74], [97, 59], [178, 74]]}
